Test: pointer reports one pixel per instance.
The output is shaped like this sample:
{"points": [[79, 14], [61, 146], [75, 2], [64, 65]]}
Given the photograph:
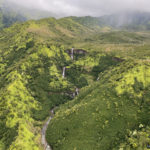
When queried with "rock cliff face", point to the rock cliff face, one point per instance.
{"points": [[73, 53], [76, 51]]}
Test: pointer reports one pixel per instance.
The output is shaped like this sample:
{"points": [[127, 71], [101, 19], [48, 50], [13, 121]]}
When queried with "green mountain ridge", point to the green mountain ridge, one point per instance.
{"points": [[127, 20], [130, 21], [11, 13], [29, 13]]}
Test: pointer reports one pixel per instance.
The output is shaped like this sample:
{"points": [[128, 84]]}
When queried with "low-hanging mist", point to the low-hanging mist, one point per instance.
{"points": [[84, 7]]}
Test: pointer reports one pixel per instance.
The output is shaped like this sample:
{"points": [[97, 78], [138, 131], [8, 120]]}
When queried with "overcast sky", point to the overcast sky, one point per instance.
{"points": [[85, 7]]}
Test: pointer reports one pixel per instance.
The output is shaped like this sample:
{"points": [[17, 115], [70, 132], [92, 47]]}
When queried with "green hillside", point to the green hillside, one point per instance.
{"points": [[31, 77], [112, 77], [100, 117]]}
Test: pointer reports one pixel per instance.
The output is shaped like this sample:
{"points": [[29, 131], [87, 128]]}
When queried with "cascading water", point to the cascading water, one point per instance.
{"points": [[98, 78], [74, 94], [64, 72], [77, 91], [72, 52]]}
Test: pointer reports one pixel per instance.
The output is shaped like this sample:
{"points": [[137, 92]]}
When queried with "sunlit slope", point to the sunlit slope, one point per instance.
{"points": [[101, 115]]}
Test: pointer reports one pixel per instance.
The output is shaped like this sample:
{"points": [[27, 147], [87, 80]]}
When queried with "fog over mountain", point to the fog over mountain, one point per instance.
{"points": [[84, 7], [113, 13]]}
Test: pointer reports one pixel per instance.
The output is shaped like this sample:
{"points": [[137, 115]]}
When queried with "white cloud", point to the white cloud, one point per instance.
{"points": [[85, 7]]}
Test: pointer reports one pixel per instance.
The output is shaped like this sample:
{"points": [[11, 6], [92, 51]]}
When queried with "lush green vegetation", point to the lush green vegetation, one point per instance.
{"points": [[106, 113], [101, 115], [31, 78]]}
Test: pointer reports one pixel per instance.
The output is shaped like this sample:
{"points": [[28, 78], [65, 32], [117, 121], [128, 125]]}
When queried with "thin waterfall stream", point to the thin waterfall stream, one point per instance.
{"points": [[64, 72], [72, 53]]}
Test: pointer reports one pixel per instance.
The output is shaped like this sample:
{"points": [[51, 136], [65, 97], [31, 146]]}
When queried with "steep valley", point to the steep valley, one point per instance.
{"points": [[97, 78]]}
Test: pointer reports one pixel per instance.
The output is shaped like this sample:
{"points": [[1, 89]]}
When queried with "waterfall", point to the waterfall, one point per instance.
{"points": [[72, 51], [77, 91], [64, 70], [98, 78], [74, 94]]}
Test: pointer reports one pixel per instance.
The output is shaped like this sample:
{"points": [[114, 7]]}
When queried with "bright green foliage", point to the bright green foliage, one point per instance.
{"points": [[137, 139], [16, 104], [136, 80], [25, 95]]}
